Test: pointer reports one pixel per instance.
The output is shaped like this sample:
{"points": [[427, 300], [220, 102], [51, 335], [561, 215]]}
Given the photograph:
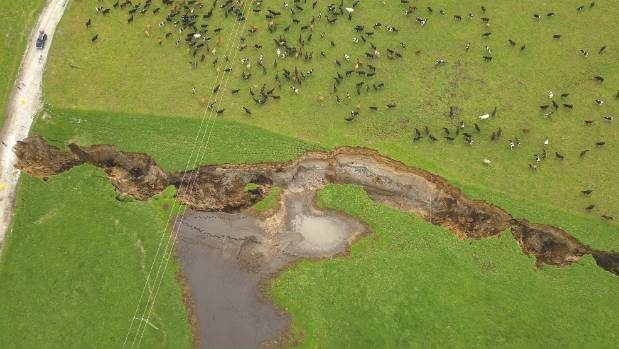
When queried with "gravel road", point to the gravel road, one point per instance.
{"points": [[24, 103]]}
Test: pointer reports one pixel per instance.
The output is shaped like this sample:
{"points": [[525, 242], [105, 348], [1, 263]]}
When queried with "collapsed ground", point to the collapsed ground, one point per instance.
{"points": [[223, 189]]}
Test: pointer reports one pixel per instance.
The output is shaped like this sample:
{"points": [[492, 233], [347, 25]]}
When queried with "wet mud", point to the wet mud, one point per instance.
{"points": [[226, 257], [218, 253], [226, 252]]}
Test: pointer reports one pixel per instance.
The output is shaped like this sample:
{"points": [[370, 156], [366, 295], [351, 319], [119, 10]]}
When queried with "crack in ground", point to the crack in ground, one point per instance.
{"points": [[221, 188], [211, 235]]}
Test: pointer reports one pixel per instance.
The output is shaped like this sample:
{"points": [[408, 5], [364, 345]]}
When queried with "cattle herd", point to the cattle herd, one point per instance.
{"points": [[292, 44]]}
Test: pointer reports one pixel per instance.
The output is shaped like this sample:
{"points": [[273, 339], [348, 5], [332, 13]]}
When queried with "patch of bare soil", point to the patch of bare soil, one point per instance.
{"points": [[211, 188], [608, 261], [134, 175], [43, 160], [548, 244], [222, 188]]}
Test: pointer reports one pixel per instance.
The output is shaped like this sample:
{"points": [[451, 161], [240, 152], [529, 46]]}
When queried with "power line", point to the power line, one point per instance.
{"points": [[160, 274]]}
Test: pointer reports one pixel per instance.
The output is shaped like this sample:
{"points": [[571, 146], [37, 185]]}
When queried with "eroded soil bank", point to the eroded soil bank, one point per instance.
{"points": [[222, 188]]}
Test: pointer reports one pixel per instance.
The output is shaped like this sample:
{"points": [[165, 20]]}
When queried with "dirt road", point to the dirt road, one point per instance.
{"points": [[25, 101]]}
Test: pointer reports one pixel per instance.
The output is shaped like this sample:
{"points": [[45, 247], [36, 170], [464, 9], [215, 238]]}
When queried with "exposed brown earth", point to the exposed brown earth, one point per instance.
{"points": [[548, 244], [38, 159], [221, 188], [607, 260]]}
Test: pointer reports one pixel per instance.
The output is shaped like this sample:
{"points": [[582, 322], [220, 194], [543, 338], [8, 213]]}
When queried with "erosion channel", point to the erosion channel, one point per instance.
{"points": [[226, 252]]}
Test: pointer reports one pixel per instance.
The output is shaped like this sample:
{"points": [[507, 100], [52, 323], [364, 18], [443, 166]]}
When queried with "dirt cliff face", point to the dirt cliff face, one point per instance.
{"points": [[607, 260], [222, 188], [134, 175], [38, 159], [548, 244], [213, 189]]}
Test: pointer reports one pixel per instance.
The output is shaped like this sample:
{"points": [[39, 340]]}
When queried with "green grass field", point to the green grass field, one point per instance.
{"points": [[16, 20], [74, 267], [125, 71], [169, 140], [414, 285], [408, 284]]}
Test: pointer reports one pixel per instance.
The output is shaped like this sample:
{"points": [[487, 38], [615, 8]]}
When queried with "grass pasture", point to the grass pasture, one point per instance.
{"points": [[73, 269], [169, 141], [16, 20], [407, 284], [158, 79], [416, 286]]}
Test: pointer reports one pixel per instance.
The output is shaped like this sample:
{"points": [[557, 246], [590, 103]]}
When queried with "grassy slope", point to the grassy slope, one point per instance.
{"points": [[270, 202], [72, 264], [158, 80], [412, 284], [170, 141], [16, 19], [74, 267]]}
